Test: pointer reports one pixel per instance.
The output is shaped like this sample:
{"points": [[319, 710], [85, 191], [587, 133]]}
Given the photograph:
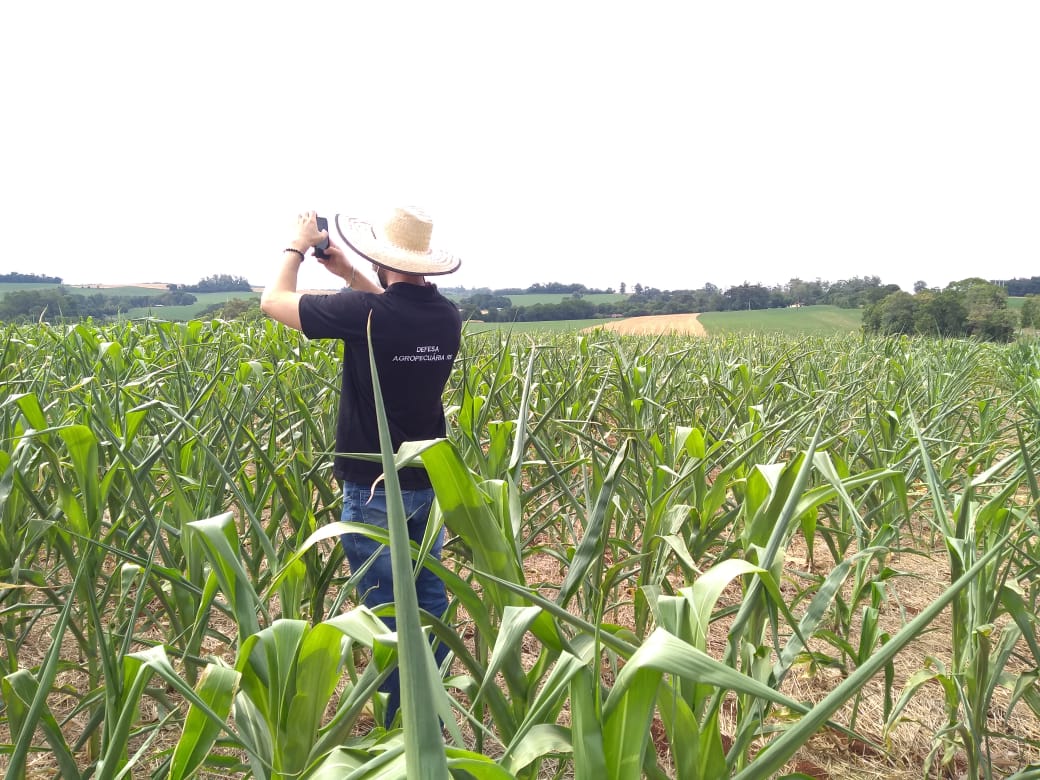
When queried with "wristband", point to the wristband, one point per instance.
{"points": [[293, 249]]}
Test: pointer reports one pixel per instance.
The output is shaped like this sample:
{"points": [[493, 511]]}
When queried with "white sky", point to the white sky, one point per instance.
{"points": [[670, 144]]}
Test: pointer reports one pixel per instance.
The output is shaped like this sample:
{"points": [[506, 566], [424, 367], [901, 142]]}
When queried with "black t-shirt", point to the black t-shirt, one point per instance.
{"points": [[415, 335]]}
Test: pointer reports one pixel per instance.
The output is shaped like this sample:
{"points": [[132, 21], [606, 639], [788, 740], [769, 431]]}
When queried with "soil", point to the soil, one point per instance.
{"points": [[902, 752], [899, 754], [683, 324]]}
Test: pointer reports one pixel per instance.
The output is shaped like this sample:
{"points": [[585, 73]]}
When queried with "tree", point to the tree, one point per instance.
{"points": [[805, 293], [996, 325], [897, 313], [747, 296], [1031, 312], [50, 304], [1019, 288], [970, 307], [19, 278], [940, 314], [622, 287], [216, 283], [855, 292], [988, 315], [240, 309], [920, 286]]}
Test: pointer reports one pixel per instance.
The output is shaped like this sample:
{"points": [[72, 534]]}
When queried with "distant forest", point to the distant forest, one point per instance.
{"points": [[52, 304], [859, 292], [970, 307], [215, 283], [495, 305], [17, 278], [1020, 288]]}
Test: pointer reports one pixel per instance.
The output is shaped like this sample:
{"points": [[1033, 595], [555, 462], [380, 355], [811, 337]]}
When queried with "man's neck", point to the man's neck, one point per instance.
{"points": [[392, 277]]}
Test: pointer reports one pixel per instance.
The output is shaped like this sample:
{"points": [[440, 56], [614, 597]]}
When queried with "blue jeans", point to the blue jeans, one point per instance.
{"points": [[376, 586]]}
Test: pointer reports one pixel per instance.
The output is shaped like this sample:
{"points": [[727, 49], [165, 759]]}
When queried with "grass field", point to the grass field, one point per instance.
{"points": [[82, 289], [174, 313], [533, 300], [805, 321], [182, 313], [122, 292], [6, 287]]}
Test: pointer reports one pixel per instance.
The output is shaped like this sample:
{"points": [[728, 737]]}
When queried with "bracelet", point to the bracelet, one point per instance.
{"points": [[293, 249], [353, 276]]}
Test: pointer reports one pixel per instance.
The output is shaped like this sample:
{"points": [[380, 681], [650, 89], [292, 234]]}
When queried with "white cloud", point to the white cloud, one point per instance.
{"points": [[673, 146]]}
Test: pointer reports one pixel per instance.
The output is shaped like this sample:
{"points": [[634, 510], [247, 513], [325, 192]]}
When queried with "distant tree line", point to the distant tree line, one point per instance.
{"points": [[1020, 288], [215, 283], [52, 304], [17, 278], [556, 288], [971, 307], [497, 306], [60, 303]]}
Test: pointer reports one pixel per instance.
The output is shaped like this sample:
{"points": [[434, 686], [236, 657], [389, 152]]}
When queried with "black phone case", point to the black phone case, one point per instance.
{"points": [[319, 250]]}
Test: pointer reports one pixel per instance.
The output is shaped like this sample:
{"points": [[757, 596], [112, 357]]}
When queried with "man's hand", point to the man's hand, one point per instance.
{"points": [[307, 232], [342, 266]]}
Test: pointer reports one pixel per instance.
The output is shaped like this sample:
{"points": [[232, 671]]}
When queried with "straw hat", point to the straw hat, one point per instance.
{"points": [[401, 243]]}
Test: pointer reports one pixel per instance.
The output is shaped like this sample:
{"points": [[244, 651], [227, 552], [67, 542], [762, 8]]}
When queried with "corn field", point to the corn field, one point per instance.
{"points": [[666, 558]]}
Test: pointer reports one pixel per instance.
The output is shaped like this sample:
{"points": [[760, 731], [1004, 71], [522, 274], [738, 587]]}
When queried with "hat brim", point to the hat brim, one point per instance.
{"points": [[363, 238]]}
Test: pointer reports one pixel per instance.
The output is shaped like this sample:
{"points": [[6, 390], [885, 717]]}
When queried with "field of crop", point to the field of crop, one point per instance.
{"points": [[191, 311], [800, 321], [531, 299], [734, 556], [173, 313]]}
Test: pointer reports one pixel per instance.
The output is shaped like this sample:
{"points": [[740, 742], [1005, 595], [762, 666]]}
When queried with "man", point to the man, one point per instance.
{"points": [[415, 336]]}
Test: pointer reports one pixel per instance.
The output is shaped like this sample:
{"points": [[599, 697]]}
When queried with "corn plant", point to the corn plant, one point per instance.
{"points": [[166, 509]]}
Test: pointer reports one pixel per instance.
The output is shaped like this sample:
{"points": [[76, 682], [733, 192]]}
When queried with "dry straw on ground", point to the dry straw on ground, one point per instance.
{"points": [[683, 324]]}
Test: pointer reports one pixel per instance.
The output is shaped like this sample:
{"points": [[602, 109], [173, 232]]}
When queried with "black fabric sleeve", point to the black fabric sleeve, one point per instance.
{"points": [[343, 315]]}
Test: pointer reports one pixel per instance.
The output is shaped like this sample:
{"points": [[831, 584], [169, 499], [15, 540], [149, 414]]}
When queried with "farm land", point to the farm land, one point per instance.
{"points": [[789, 552]]}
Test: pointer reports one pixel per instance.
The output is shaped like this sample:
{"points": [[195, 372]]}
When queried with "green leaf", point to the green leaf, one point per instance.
{"points": [[219, 540], [777, 752], [590, 761], [626, 722], [422, 696], [590, 549], [19, 690], [540, 741], [138, 669], [216, 687], [467, 514]]}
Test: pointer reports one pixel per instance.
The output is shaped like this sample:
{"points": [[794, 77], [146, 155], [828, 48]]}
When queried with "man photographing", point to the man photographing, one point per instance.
{"points": [[415, 337]]}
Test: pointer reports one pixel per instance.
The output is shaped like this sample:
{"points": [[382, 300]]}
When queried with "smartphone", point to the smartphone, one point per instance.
{"points": [[319, 250]]}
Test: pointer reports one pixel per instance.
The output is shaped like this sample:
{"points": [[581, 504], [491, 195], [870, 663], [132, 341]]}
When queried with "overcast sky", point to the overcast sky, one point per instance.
{"points": [[669, 144]]}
